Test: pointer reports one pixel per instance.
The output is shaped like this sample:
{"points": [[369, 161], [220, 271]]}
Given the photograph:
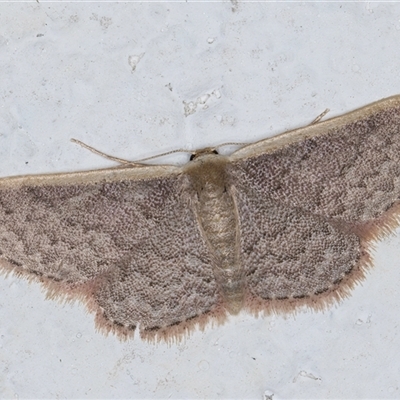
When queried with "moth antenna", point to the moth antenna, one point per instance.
{"points": [[320, 116], [165, 154], [232, 144], [100, 153], [121, 160]]}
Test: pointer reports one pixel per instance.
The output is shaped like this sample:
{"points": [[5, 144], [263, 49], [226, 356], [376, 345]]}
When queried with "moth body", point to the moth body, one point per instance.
{"points": [[282, 223], [217, 215]]}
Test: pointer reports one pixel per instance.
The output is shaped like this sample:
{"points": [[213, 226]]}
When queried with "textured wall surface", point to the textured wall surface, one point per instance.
{"points": [[136, 80]]}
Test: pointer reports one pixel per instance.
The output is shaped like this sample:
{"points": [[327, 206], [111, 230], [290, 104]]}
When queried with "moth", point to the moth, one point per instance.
{"points": [[281, 223]]}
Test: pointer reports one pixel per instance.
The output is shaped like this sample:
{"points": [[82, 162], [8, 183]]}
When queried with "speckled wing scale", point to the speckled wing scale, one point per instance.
{"points": [[280, 223], [122, 240], [311, 201]]}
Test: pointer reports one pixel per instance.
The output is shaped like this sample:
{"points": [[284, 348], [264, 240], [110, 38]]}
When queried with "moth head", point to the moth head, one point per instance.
{"points": [[203, 153]]}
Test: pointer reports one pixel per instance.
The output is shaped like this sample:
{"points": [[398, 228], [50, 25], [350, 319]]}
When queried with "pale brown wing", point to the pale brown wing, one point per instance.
{"points": [[129, 245], [345, 169], [291, 257], [309, 202]]}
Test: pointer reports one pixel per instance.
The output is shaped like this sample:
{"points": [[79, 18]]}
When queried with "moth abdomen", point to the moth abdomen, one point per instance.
{"points": [[217, 216]]}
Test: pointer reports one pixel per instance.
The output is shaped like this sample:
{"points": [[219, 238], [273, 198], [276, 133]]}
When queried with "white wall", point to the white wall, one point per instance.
{"points": [[67, 70]]}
